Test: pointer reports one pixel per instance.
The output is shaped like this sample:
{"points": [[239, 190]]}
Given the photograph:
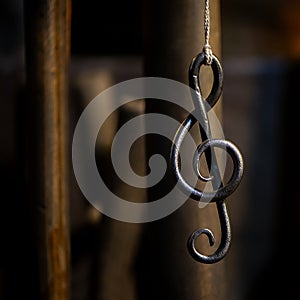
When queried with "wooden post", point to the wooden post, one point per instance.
{"points": [[173, 36], [47, 56]]}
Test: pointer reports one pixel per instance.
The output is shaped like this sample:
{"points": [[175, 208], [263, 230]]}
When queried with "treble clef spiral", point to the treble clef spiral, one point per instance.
{"points": [[220, 190]]}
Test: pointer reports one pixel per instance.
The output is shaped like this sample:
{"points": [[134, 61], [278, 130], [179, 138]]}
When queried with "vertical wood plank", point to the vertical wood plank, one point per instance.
{"points": [[47, 25]]}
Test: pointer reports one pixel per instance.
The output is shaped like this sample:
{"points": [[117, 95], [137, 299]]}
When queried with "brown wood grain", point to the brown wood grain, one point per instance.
{"points": [[47, 25]]}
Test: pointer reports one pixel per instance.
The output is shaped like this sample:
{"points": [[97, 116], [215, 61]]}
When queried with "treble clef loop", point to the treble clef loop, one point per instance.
{"points": [[220, 191]]}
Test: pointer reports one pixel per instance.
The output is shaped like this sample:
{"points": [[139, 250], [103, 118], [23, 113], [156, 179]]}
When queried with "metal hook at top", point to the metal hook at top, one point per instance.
{"points": [[217, 86]]}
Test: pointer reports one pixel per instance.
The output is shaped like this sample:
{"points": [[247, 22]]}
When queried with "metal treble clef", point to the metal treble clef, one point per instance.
{"points": [[206, 147]]}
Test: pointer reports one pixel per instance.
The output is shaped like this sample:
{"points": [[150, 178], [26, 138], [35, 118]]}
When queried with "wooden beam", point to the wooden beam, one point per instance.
{"points": [[47, 34]]}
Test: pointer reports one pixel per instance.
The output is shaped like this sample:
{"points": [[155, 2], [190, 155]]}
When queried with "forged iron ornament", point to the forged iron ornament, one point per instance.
{"points": [[93, 117], [220, 191]]}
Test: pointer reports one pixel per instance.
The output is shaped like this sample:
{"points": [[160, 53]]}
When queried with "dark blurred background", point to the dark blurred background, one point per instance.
{"points": [[260, 55]]}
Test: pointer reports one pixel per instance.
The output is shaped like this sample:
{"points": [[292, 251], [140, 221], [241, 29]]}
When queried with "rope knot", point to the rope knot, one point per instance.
{"points": [[208, 54]]}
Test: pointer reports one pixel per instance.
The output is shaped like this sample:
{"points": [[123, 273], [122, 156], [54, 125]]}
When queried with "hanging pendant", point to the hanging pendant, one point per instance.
{"points": [[220, 191]]}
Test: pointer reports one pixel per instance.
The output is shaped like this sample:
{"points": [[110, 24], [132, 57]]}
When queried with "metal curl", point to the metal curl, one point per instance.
{"points": [[197, 169], [221, 192], [224, 243]]}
